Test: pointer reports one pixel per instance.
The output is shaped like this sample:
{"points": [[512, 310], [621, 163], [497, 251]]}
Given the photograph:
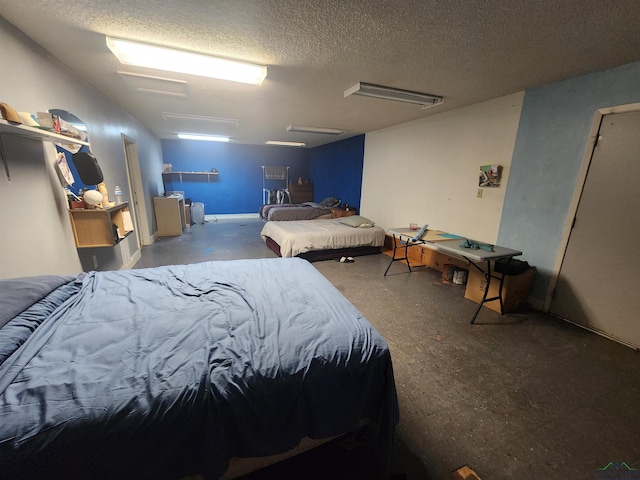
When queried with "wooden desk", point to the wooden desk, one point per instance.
{"points": [[441, 241], [402, 240]]}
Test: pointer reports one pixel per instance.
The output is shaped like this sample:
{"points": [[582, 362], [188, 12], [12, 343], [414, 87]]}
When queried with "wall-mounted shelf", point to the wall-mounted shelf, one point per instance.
{"points": [[37, 133], [33, 133], [94, 227], [180, 174]]}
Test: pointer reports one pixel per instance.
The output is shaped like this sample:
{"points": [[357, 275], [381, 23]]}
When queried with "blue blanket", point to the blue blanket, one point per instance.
{"points": [[163, 372]]}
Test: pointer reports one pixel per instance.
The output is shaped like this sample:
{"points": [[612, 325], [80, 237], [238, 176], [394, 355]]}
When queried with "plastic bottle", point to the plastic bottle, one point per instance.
{"points": [[118, 195]]}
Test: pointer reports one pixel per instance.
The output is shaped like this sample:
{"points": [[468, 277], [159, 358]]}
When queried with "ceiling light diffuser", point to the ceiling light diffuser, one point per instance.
{"points": [[322, 130], [162, 58], [200, 118], [207, 138], [395, 94], [285, 144]]}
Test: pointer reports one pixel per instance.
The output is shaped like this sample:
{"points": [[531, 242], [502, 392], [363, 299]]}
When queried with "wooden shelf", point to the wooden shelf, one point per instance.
{"points": [[180, 174], [93, 227], [37, 133], [33, 133]]}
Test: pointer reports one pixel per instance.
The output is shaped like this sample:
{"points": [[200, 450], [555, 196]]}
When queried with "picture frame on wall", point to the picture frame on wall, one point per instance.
{"points": [[490, 176]]}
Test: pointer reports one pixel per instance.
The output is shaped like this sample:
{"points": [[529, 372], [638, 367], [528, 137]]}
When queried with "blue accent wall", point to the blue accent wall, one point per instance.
{"points": [[336, 170], [550, 146], [238, 186]]}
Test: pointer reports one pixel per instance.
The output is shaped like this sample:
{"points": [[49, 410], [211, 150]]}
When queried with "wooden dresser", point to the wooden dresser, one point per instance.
{"points": [[301, 193]]}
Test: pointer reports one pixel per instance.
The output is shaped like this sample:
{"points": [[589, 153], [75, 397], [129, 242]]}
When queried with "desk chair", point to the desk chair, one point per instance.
{"points": [[398, 243]]}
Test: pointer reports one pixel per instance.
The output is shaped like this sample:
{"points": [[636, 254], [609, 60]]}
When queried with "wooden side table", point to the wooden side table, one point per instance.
{"points": [[341, 212]]}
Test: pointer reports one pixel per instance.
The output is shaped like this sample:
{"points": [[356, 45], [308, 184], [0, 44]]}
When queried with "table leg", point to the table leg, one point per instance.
{"points": [[395, 248], [488, 277]]}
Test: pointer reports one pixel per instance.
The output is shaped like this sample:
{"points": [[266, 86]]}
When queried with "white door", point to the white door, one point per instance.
{"points": [[137, 192], [598, 284]]}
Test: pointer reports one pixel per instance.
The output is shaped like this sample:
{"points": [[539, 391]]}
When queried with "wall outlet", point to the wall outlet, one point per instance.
{"points": [[95, 261], [479, 193]]}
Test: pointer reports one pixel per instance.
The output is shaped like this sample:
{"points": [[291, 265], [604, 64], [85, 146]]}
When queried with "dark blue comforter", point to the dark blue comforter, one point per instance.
{"points": [[164, 372]]}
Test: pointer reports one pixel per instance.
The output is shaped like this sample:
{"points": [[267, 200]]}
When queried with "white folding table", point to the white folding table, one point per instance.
{"points": [[433, 239]]}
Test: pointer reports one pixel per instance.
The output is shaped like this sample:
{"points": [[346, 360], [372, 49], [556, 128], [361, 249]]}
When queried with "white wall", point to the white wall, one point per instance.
{"points": [[426, 171], [36, 233]]}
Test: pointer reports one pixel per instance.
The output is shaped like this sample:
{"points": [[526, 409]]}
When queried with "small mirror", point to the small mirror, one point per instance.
{"points": [[71, 126]]}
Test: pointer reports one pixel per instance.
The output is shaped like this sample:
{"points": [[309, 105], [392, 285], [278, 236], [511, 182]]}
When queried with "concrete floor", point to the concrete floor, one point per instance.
{"points": [[519, 396]]}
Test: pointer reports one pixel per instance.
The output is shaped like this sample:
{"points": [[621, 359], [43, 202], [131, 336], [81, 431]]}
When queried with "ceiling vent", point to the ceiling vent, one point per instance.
{"points": [[320, 130], [395, 94]]}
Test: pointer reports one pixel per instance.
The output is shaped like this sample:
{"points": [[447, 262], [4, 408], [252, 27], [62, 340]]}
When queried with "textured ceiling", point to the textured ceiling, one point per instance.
{"points": [[468, 51]]}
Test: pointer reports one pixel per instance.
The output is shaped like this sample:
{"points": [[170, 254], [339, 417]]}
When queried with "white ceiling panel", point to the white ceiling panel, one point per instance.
{"points": [[466, 51]]}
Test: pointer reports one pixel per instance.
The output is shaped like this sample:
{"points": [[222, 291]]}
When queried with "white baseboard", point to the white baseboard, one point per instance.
{"points": [[231, 216], [132, 261]]}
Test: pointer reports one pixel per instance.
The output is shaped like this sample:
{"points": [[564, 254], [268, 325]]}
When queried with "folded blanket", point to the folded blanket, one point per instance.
{"points": [[476, 245]]}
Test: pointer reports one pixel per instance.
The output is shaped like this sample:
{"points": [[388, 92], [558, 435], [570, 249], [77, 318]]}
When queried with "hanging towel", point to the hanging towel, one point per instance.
{"points": [[275, 173]]}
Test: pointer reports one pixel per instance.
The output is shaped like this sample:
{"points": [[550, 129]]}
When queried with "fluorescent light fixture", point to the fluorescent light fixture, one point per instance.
{"points": [[286, 144], [162, 58], [395, 94], [324, 130], [200, 118], [207, 138]]}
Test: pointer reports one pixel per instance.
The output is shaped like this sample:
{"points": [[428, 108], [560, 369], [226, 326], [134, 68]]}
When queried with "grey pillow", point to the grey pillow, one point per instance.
{"points": [[357, 221], [330, 202], [18, 294]]}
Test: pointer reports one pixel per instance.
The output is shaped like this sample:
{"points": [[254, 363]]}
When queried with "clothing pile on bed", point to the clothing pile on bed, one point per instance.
{"points": [[298, 211]]}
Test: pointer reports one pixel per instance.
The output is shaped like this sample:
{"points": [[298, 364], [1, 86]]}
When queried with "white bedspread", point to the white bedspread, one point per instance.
{"points": [[303, 236]]}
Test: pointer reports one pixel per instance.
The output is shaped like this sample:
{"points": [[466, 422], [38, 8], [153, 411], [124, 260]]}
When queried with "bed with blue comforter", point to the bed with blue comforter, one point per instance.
{"points": [[172, 371]]}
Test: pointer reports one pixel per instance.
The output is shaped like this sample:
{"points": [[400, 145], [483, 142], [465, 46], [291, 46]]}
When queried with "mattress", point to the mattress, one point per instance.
{"points": [[298, 237]]}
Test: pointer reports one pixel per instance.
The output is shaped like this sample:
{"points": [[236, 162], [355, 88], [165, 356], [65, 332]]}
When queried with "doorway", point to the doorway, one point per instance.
{"points": [[137, 192], [597, 284]]}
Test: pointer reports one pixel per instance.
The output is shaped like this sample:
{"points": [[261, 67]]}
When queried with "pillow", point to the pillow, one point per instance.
{"points": [[18, 294], [330, 202], [357, 221]]}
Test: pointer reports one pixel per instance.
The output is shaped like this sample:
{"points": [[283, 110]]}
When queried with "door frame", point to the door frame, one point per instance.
{"points": [[577, 193], [134, 176]]}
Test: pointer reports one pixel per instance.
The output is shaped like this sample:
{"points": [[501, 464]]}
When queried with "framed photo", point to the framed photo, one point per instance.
{"points": [[64, 172], [490, 176]]}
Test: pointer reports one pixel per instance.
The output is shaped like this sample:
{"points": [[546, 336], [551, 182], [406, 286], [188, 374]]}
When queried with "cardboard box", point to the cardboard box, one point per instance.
{"points": [[515, 290], [437, 260], [464, 473], [448, 271], [414, 252]]}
